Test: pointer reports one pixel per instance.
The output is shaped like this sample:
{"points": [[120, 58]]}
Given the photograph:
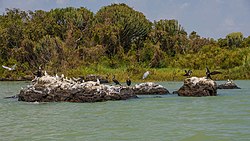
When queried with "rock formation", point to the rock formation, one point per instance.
{"points": [[228, 85], [197, 87], [149, 88], [55, 89]]}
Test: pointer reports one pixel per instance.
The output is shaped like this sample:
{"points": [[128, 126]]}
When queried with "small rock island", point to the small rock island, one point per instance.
{"points": [[197, 87], [228, 85]]}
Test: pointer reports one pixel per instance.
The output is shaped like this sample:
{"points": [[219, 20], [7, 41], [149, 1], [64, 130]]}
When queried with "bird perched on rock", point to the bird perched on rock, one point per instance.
{"points": [[116, 81], [10, 68], [208, 73], [128, 81], [188, 73], [145, 75], [38, 73]]}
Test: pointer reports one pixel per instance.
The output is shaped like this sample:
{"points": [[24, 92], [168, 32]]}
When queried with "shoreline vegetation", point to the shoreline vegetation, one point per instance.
{"points": [[116, 40]]}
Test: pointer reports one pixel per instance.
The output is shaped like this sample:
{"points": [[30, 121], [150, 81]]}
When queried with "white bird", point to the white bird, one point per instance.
{"points": [[45, 73], [145, 74], [57, 77], [10, 69]]}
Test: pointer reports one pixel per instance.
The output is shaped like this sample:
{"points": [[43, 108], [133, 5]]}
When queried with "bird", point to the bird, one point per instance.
{"points": [[145, 75], [187, 73], [229, 81], [98, 81], [128, 81], [10, 69], [208, 73], [116, 81], [45, 73], [38, 73]]}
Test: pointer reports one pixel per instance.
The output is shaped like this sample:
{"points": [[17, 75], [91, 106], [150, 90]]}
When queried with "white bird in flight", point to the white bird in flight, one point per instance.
{"points": [[10, 69], [145, 75]]}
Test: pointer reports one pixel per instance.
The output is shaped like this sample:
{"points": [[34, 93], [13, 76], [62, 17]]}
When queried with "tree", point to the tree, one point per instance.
{"points": [[234, 39], [171, 36], [118, 25]]}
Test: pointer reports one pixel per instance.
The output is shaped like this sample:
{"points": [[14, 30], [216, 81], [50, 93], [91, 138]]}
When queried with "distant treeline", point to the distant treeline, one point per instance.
{"points": [[117, 36]]}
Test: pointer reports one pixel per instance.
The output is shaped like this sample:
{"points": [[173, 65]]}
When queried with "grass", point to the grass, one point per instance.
{"points": [[135, 73]]}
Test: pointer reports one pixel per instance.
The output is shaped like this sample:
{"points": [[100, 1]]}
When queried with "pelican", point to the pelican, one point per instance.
{"points": [[116, 81], [187, 73], [208, 73], [145, 75], [10, 69], [128, 81]]}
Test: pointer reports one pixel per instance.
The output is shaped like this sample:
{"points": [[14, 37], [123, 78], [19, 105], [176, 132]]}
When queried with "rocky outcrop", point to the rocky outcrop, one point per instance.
{"points": [[54, 89], [228, 85], [149, 88], [197, 87]]}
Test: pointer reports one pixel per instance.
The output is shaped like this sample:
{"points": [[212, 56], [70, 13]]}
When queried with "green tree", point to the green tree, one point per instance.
{"points": [[234, 40], [171, 36], [118, 25]]}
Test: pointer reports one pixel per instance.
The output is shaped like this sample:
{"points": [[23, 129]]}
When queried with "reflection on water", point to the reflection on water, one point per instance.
{"points": [[168, 117]]}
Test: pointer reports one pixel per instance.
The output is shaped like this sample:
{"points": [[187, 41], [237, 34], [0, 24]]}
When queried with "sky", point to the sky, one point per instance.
{"points": [[209, 18]]}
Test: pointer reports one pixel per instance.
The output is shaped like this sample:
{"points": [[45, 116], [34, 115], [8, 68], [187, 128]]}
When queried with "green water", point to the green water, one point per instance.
{"points": [[225, 117]]}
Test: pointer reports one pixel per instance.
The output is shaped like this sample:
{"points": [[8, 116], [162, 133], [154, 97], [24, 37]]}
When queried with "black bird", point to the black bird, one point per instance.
{"points": [[187, 73], [128, 81], [208, 73], [104, 80], [116, 81], [39, 72]]}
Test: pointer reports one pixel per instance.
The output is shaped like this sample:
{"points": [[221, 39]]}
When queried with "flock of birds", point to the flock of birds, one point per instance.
{"points": [[188, 73]]}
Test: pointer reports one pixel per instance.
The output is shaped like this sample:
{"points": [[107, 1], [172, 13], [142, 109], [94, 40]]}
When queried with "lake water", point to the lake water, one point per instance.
{"points": [[225, 117]]}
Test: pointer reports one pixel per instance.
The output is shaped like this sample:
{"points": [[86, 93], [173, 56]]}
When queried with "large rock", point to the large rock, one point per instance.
{"points": [[149, 88], [53, 89], [197, 87], [228, 85]]}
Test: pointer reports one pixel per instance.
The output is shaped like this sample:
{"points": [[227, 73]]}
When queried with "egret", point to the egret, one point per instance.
{"points": [[145, 75], [10, 69]]}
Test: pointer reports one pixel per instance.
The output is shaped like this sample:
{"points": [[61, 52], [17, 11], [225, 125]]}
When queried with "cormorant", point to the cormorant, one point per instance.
{"points": [[187, 73], [116, 81], [145, 75], [38, 73], [104, 80], [208, 73], [128, 81]]}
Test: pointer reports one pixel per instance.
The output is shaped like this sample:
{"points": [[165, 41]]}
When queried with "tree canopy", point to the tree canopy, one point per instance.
{"points": [[115, 36]]}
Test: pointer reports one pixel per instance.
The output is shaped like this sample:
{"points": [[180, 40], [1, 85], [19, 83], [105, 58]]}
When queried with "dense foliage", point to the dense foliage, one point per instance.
{"points": [[75, 41]]}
